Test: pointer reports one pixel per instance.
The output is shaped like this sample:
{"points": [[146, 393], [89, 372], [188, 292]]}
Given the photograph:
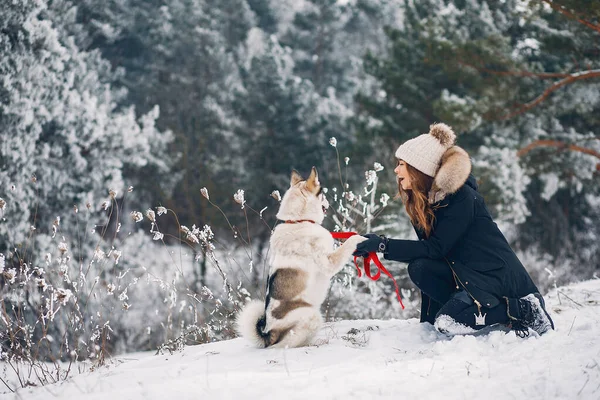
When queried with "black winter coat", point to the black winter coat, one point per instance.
{"points": [[465, 235]]}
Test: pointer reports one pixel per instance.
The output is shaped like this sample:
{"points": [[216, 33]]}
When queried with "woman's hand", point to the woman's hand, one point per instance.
{"points": [[372, 244]]}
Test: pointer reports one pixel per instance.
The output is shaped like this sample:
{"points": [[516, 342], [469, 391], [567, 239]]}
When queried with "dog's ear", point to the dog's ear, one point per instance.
{"points": [[312, 183], [296, 177]]}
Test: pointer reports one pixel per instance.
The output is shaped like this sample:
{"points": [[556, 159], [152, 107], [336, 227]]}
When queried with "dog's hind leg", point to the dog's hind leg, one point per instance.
{"points": [[302, 333]]}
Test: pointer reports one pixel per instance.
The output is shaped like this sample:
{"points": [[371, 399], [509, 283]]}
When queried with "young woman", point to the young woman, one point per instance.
{"points": [[468, 274]]}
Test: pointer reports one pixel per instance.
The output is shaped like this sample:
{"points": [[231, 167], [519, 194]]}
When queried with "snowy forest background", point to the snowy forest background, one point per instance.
{"points": [[144, 145]]}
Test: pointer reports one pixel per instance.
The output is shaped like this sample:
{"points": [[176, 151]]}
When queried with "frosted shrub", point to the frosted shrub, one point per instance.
{"points": [[362, 211], [102, 280], [199, 303], [86, 289], [61, 289]]}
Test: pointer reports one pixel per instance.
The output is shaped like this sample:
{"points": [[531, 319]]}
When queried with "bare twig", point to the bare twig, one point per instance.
{"points": [[6, 384], [17, 372], [337, 154], [579, 304], [259, 215], [584, 385], [206, 374], [285, 362], [573, 323]]}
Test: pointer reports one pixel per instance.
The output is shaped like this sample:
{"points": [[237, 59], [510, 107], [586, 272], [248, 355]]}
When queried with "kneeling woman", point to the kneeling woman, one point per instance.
{"points": [[468, 274]]}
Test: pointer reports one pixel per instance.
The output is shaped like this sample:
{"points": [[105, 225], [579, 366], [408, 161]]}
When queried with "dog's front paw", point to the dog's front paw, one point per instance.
{"points": [[354, 240]]}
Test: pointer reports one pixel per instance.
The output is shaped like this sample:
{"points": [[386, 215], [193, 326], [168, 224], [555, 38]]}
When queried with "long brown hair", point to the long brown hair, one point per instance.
{"points": [[416, 200]]}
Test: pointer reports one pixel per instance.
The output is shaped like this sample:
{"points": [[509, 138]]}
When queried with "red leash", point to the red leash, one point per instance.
{"points": [[367, 263]]}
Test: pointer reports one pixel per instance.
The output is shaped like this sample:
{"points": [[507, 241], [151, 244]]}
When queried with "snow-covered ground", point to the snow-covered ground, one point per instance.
{"points": [[398, 359]]}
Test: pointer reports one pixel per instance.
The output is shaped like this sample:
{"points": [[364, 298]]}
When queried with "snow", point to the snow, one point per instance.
{"points": [[511, 177], [551, 185], [255, 45], [369, 359]]}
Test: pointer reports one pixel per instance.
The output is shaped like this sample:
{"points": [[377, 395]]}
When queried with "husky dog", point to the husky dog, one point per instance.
{"points": [[302, 262]]}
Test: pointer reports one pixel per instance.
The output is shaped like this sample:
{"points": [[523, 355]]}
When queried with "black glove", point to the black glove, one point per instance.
{"points": [[372, 244]]}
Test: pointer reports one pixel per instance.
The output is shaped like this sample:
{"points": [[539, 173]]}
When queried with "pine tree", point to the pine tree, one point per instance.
{"points": [[182, 56], [479, 65], [312, 38], [60, 114], [329, 39], [532, 85], [282, 123], [265, 15]]}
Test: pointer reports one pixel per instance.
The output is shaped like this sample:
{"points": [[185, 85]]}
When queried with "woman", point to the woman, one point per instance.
{"points": [[468, 274]]}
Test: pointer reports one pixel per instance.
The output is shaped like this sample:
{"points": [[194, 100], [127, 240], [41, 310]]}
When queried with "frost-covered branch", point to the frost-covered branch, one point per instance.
{"points": [[559, 145], [571, 78], [519, 73], [570, 15], [565, 79]]}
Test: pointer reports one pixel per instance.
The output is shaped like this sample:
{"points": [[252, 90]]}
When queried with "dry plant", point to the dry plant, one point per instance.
{"points": [[53, 314], [69, 293], [362, 211]]}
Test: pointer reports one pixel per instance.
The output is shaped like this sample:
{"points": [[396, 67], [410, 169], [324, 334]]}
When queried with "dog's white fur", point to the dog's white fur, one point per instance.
{"points": [[307, 250]]}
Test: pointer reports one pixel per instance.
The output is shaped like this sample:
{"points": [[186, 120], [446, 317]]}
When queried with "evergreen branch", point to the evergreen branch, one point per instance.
{"points": [[559, 145], [571, 78], [570, 15], [529, 74]]}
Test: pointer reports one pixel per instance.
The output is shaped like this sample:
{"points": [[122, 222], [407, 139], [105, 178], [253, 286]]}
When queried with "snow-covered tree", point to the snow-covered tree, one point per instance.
{"points": [[329, 38], [266, 17], [183, 56], [285, 122], [64, 139], [482, 67], [66, 146]]}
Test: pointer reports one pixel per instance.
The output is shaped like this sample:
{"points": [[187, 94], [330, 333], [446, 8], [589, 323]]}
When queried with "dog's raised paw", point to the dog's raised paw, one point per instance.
{"points": [[356, 239]]}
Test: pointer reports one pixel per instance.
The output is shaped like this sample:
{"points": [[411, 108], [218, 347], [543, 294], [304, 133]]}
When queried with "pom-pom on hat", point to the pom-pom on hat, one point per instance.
{"points": [[425, 151]]}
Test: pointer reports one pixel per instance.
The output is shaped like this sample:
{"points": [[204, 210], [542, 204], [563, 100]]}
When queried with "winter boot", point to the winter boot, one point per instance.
{"points": [[529, 312]]}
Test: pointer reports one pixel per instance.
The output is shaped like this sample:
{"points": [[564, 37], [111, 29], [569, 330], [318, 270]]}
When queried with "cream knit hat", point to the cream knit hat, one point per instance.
{"points": [[425, 151]]}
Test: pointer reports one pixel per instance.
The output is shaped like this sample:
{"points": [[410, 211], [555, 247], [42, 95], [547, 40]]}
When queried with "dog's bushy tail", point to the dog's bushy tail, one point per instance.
{"points": [[250, 323]]}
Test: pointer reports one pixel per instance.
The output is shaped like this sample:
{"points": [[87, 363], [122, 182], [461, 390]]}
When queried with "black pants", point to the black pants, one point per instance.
{"points": [[440, 296]]}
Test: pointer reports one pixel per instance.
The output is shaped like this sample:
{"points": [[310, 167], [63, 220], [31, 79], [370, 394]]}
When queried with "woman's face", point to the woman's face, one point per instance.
{"points": [[402, 174]]}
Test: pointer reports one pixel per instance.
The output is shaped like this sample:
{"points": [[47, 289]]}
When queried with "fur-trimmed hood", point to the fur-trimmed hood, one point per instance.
{"points": [[455, 167]]}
